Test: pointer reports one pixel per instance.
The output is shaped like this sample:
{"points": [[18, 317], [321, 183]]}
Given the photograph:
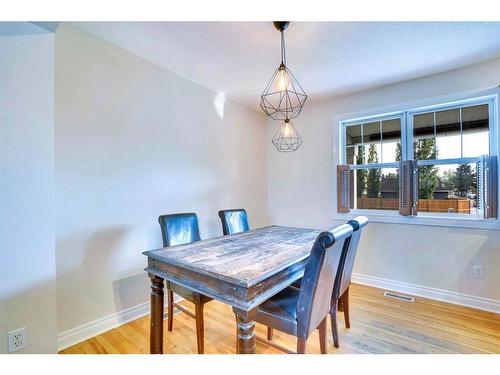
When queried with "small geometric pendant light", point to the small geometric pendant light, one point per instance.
{"points": [[287, 138], [283, 97]]}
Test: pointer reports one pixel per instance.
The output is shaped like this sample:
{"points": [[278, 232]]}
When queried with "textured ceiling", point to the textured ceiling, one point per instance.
{"points": [[328, 58]]}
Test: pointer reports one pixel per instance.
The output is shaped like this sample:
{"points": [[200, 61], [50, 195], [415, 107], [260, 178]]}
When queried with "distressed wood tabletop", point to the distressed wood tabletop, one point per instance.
{"points": [[245, 258]]}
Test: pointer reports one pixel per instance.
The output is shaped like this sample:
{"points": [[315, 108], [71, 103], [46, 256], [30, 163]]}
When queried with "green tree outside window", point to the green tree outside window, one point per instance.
{"points": [[425, 149], [374, 175]]}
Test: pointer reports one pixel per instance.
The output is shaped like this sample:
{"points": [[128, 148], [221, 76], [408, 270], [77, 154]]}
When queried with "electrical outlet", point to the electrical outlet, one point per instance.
{"points": [[17, 340], [478, 272]]}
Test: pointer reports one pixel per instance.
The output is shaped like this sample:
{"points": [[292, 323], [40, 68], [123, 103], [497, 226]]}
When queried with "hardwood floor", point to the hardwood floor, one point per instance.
{"points": [[378, 325]]}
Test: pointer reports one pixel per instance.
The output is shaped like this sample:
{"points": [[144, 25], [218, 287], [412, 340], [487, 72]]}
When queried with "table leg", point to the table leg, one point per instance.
{"points": [[156, 327], [245, 326]]}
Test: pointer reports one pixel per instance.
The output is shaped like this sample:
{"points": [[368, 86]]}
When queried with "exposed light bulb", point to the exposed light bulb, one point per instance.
{"points": [[288, 130], [282, 80]]}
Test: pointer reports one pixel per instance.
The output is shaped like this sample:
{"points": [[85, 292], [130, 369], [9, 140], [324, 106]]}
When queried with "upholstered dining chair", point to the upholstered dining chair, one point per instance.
{"points": [[297, 311], [233, 221], [180, 229], [340, 296]]}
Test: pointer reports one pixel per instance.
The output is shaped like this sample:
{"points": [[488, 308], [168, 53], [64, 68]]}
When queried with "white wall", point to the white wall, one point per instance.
{"points": [[27, 253], [302, 189], [133, 141]]}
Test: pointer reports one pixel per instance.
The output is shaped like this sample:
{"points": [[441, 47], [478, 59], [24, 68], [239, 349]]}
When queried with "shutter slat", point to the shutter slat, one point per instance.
{"points": [[343, 201], [480, 187], [489, 180], [408, 188]]}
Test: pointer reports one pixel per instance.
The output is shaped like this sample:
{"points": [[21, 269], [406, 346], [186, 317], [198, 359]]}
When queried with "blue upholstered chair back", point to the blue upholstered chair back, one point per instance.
{"points": [[319, 278], [234, 221], [343, 279], [179, 229]]}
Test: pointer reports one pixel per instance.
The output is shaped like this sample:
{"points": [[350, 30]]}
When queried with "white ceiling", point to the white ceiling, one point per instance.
{"points": [[328, 58]]}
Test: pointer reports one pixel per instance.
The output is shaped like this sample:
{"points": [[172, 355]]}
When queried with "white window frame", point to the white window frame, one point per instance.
{"points": [[406, 116]]}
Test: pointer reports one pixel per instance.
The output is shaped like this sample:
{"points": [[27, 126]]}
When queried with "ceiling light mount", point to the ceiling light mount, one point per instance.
{"points": [[281, 25]]}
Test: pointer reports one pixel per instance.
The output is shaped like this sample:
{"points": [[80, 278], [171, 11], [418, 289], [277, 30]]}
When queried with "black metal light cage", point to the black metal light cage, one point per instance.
{"points": [[286, 104], [287, 138]]}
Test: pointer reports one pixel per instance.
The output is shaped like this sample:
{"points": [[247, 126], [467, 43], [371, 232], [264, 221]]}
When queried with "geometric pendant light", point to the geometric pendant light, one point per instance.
{"points": [[283, 96], [283, 99], [287, 138]]}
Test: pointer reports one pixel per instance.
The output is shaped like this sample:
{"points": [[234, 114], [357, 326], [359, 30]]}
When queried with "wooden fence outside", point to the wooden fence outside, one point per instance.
{"points": [[462, 206], [379, 203]]}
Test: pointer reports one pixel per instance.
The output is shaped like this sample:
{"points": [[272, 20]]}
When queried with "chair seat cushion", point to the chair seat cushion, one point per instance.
{"points": [[280, 311]]}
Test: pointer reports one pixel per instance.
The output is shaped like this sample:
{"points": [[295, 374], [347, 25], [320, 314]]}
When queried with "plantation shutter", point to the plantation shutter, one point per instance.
{"points": [[408, 187], [487, 187], [343, 172]]}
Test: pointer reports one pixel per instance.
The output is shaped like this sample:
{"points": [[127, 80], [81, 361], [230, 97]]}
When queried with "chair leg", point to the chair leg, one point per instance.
{"points": [[345, 303], [333, 316], [236, 331], [301, 345], [200, 329], [269, 333], [340, 306], [322, 336], [170, 309]]}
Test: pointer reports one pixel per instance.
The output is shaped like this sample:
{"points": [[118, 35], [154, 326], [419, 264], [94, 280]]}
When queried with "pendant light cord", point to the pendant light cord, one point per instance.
{"points": [[283, 52]]}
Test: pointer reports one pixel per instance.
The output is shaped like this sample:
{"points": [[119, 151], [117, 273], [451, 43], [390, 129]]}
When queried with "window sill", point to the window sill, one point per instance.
{"points": [[393, 217]]}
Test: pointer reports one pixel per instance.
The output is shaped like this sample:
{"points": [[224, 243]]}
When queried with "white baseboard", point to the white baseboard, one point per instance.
{"points": [[86, 331], [475, 302]]}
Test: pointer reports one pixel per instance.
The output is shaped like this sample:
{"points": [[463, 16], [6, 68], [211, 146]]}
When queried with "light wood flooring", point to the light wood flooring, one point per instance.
{"points": [[378, 325]]}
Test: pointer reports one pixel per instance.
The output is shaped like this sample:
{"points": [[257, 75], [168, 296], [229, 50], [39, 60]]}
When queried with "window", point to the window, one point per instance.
{"points": [[373, 152], [452, 168]]}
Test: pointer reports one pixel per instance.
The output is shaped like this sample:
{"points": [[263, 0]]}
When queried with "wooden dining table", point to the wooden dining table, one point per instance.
{"points": [[242, 270]]}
